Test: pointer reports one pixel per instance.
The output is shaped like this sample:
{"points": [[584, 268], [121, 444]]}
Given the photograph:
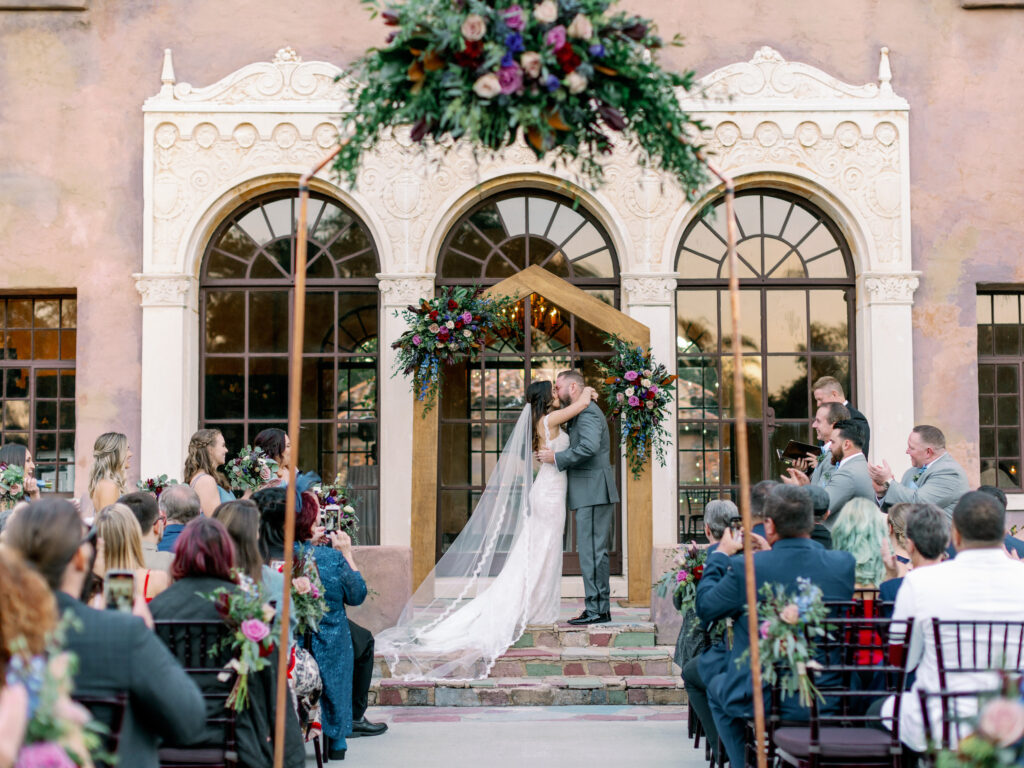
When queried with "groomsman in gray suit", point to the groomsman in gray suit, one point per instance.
{"points": [[592, 494], [934, 476], [825, 419], [827, 389], [847, 476]]}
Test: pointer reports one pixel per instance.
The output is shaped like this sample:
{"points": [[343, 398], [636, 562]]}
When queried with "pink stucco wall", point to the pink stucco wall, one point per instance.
{"points": [[72, 85]]}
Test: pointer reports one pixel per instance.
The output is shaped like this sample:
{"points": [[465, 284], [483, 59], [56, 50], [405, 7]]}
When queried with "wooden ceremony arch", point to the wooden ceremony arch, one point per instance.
{"points": [[535, 279]]}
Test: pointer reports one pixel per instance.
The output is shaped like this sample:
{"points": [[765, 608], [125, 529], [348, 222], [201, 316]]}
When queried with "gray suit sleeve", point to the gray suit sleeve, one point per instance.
{"points": [[841, 489], [588, 425], [940, 486]]}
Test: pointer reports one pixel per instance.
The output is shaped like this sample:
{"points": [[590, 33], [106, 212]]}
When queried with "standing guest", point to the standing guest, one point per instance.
{"points": [[820, 502], [332, 644], [203, 563], [927, 534], [152, 521], [980, 584], [825, 419], [934, 476], [179, 505], [111, 459], [117, 652], [827, 389], [122, 550], [206, 454], [18, 455], [861, 531], [277, 445], [1011, 542], [721, 593]]}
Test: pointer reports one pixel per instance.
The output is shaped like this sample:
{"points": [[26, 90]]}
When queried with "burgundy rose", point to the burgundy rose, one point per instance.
{"points": [[470, 55], [433, 314], [567, 58], [419, 130], [635, 31], [612, 117], [452, 304], [390, 18], [697, 572]]}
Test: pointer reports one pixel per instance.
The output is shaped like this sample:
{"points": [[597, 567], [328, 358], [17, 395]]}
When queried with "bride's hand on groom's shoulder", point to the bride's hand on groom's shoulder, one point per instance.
{"points": [[590, 393]]}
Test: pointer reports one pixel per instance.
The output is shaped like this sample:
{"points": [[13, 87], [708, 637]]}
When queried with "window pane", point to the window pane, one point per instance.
{"points": [[984, 309], [46, 414], [47, 313], [47, 345], [1006, 378], [987, 411], [697, 321], [751, 385], [787, 387], [225, 321], [16, 382], [984, 339], [46, 383], [1007, 340], [1008, 410], [697, 387], [1006, 309], [750, 322], [829, 315], [1008, 442], [269, 321], [224, 383], [19, 313], [787, 321], [986, 378], [268, 388]]}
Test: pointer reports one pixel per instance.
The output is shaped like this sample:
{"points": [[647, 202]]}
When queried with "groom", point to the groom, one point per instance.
{"points": [[591, 493]]}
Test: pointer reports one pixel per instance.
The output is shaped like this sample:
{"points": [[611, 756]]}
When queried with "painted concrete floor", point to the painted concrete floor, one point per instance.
{"points": [[538, 737]]}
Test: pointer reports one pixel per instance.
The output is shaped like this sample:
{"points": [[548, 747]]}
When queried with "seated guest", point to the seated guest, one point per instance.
{"points": [[722, 592], [117, 652], [894, 549], [820, 501], [203, 562], [861, 531], [180, 504], [827, 389], [1012, 543], [147, 511], [982, 583], [934, 476], [122, 550], [758, 493], [927, 534], [699, 658]]}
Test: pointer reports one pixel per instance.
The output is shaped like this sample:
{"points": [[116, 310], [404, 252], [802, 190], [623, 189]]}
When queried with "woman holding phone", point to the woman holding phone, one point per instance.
{"points": [[119, 529]]}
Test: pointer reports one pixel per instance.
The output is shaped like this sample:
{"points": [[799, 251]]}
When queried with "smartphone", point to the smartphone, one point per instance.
{"points": [[329, 518], [736, 524], [119, 590]]}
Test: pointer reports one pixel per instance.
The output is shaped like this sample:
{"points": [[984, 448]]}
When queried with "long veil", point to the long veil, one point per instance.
{"points": [[463, 617]]}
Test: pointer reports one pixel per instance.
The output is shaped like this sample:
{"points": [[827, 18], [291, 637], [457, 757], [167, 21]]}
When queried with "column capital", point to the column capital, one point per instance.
{"points": [[890, 287], [647, 289], [164, 290], [402, 289]]}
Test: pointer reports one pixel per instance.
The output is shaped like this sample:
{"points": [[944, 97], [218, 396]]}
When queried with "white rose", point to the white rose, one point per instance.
{"points": [[546, 12], [348, 509], [629, 391], [647, 373], [581, 28], [646, 383], [467, 334], [575, 82], [487, 86], [530, 62], [474, 27], [450, 325], [649, 405]]}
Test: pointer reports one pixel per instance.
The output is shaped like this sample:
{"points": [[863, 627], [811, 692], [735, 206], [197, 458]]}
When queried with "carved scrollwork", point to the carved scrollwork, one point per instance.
{"points": [[401, 290], [885, 288], [164, 290], [649, 290]]}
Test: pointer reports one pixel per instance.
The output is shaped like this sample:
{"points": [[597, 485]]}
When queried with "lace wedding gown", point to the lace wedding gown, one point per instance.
{"points": [[449, 634]]}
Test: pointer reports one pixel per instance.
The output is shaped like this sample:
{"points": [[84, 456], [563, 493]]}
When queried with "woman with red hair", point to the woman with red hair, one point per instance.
{"points": [[204, 561]]}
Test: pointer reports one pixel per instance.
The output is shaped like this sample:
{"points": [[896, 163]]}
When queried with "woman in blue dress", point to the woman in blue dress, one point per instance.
{"points": [[343, 585], [206, 453]]}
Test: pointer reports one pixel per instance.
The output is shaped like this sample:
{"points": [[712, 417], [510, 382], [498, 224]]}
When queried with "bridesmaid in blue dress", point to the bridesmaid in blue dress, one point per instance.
{"points": [[206, 453]]}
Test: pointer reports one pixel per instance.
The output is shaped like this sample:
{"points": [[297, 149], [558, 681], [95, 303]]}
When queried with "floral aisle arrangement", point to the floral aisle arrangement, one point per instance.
{"points": [[251, 639], [308, 602], [12, 485], [251, 470], [682, 578], [996, 734], [789, 624], [156, 485], [336, 507], [639, 395], [566, 73], [448, 329]]}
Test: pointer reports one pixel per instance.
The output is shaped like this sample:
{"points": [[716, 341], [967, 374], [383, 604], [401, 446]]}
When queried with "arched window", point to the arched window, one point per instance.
{"points": [[247, 289], [497, 238], [797, 309]]}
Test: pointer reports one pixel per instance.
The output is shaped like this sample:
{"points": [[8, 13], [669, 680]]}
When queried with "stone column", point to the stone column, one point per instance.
{"points": [[651, 300], [885, 362], [396, 408], [170, 399]]}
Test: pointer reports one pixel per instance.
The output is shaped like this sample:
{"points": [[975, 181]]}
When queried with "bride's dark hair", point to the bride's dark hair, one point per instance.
{"points": [[538, 395]]}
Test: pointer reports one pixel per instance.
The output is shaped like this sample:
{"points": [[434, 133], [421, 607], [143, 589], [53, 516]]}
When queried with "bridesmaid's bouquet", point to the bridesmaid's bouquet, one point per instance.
{"points": [[156, 485], [252, 470], [12, 485]]}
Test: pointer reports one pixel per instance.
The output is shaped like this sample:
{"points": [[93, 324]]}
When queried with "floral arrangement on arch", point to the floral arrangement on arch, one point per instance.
{"points": [[250, 620], [250, 470], [789, 624], [12, 485], [565, 73], [445, 330], [156, 485], [336, 507], [639, 394]]}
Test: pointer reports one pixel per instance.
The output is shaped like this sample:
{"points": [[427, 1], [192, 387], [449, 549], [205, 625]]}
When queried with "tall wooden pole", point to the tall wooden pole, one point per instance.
{"points": [[739, 405], [294, 401]]}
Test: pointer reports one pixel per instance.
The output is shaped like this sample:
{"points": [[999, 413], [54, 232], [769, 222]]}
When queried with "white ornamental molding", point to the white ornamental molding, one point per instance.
{"points": [[163, 290], [402, 290], [882, 288], [649, 290]]}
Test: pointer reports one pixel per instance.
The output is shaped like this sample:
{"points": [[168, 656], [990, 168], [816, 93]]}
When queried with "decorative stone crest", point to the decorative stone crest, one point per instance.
{"points": [[163, 290], [649, 290], [401, 290], [882, 288]]}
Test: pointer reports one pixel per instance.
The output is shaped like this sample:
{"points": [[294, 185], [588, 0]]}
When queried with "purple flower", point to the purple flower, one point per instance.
{"points": [[507, 60], [467, 317], [653, 389], [511, 79], [514, 17], [416, 340], [255, 630], [681, 576], [514, 42], [765, 626], [632, 376], [597, 51], [552, 83], [44, 754], [634, 401], [555, 36]]}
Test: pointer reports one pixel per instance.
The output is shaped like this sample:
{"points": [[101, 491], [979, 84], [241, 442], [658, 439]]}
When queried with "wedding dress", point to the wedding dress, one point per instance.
{"points": [[502, 573]]}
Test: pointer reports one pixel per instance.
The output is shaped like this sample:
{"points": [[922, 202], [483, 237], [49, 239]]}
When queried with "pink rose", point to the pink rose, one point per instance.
{"points": [[474, 27], [619, 397], [631, 376], [514, 17], [765, 626], [434, 328], [681, 576], [546, 12], [581, 28], [1002, 721], [255, 630], [487, 86], [15, 489], [510, 79], [315, 592], [265, 473], [44, 753], [790, 614], [530, 62], [302, 585], [634, 401], [555, 36], [467, 317]]}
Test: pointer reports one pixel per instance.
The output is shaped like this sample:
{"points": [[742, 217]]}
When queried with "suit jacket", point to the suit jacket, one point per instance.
{"points": [[942, 484], [722, 592], [591, 477], [861, 421], [254, 726], [117, 654], [823, 466], [849, 481]]}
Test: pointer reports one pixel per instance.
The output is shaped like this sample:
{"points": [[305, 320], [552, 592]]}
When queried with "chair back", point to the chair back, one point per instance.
{"points": [[195, 645], [953, 720], [108, 710], [968, 652]]}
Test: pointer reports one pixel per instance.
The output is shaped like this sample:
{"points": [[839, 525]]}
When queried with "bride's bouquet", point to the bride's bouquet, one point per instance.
{"points": [[12, 485], [252, 470]]}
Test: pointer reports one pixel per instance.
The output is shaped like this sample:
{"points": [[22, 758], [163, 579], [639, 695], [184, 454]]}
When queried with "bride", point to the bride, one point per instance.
{"points": [[503, 571]]}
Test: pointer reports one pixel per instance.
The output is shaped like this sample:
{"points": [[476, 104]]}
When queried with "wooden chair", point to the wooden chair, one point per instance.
{"points": [[109, 711], [957, 711], [191, 643], [975, 647]]}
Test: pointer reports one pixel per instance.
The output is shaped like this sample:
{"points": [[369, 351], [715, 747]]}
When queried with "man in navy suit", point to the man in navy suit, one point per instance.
{"points": [[789, 520]]}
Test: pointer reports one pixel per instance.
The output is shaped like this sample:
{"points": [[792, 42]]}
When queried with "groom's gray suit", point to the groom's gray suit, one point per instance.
{"points": [[592, 494]]}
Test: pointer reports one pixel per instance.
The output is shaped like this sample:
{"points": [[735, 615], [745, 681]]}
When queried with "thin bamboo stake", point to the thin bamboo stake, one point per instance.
{"points": [[739, 404], [294, 398]]}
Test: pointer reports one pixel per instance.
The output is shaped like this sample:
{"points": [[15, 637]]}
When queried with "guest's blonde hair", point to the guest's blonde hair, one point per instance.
{"points": [[898, 522], [198, 459], [122, 537], [109, 453]]}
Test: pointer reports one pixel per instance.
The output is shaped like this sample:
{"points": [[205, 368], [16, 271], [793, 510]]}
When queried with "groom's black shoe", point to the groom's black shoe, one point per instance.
{"points": [[591, 618]]}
